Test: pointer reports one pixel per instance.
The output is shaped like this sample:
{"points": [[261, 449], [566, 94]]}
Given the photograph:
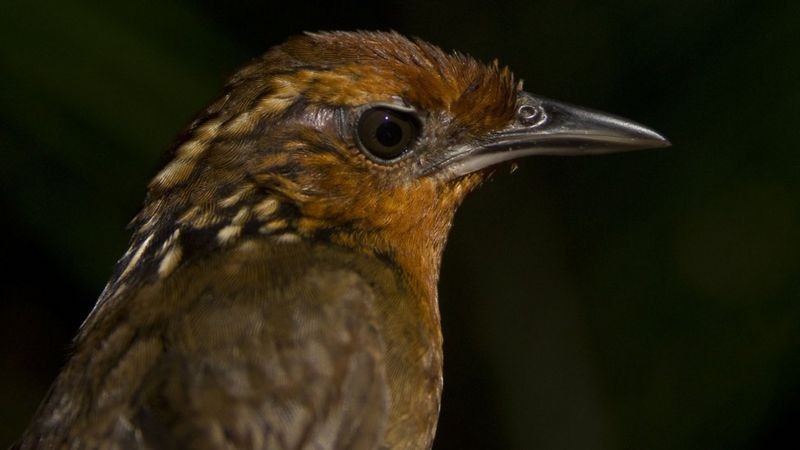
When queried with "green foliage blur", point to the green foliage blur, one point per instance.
{"points": [[644, 300]]}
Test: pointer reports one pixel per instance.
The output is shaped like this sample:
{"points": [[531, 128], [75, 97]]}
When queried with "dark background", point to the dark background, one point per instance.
{"points": [[635, 301]]}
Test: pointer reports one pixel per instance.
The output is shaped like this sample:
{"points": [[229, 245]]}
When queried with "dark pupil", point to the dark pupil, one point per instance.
{"points": [[389, 133]]}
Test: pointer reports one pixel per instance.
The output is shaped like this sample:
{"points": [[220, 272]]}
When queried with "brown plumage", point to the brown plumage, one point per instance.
{"points": [[280, 287]]}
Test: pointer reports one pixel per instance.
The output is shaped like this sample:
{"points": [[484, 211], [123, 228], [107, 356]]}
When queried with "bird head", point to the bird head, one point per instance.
{"points": [[364, 140]]}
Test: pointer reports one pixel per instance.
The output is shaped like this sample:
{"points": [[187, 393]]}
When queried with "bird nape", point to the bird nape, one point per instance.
{"points": [[279, 291]]}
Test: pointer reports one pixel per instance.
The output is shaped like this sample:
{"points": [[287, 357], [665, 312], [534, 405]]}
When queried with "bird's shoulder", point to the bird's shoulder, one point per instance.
{"points": [[278, 347]]}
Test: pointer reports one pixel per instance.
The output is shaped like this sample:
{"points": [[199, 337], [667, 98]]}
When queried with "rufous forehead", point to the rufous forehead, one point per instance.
{"points": [[353, 69], [357, 84]]}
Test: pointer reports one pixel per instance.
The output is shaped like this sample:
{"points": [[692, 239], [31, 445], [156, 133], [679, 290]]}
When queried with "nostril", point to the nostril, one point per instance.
{"points": [[529, 115]]}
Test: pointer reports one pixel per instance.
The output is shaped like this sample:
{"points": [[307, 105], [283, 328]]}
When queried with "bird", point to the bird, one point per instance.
{"points": [[280, 286]]}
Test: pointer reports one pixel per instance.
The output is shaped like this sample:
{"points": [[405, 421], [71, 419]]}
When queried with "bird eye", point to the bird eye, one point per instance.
{"points": [[385, 132]]}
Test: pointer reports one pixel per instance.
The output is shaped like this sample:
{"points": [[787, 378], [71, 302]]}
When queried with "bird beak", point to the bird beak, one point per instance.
{"points": [[547, 127]]}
